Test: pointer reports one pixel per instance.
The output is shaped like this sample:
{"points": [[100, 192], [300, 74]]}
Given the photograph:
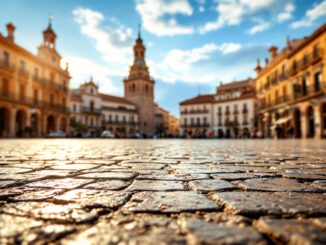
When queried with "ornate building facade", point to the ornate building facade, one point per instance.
{"points": [[291, 89], [230, 112], [34, 89], [98, 112], [139, 89]]}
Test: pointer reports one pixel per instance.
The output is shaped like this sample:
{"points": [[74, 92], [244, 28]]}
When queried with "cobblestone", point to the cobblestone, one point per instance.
{"points": [[162, 191]]}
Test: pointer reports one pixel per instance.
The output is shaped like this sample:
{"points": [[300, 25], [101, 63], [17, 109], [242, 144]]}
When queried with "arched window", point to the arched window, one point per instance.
{"points": [[146, 88], [91, 105], [133, 87]]}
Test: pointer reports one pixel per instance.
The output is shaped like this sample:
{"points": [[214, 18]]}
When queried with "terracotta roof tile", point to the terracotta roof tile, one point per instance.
{"points": [[200, 99]]}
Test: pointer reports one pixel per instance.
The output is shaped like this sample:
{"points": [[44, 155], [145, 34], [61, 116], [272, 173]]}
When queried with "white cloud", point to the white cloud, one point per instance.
{"points": [[261, 26], [232, 12], [191, 66], [82, 69], [158, 16], [112, 41], [287, 14], [311, 15]]}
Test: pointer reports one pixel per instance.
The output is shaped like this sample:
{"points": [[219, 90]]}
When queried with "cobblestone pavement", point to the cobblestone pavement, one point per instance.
{"points": [[162, 191]]}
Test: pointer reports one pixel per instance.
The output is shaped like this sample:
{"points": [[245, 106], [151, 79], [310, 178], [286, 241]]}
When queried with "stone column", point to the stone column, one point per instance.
{"points": [[12, 123], [304, 125], [318, 124]]}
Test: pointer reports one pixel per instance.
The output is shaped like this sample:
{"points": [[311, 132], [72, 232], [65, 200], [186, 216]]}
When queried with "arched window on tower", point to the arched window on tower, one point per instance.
{"points": [[146, 88], [133, 87]]}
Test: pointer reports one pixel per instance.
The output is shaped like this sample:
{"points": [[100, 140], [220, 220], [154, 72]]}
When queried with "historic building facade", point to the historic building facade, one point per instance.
{"points": [[139, 89], [34, 89], [98, 112], [230, 112], [291, 89]]}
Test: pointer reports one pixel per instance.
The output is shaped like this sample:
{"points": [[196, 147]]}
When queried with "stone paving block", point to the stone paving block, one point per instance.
{"points": [[278, 203], [170, 202], [112, 185], [235, 176], [67, 183], [192, 169], [36, 194], [135, 229], [200, 232], [69, 213], [277, 184], [73, 166], [173, 177], [109, 175], [8, 183], [292, 231], [156, 185], [211, 185], [94, 198]]}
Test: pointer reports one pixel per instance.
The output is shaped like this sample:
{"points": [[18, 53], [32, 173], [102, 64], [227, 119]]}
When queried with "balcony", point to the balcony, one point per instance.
{"points": [[195, 125], [123, 123], [198, 111], [7, 66], [23, 74], [54, 85], [92, 110], [184, 112], [56, 107], [292, 71], [20, 99], [316, 56], [122, 109]]}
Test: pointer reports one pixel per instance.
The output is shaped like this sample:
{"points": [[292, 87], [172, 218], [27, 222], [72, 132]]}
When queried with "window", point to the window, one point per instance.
{"points": [[22, 66], [205, 120], [198, 121], [91, 105], [51, 99], [36, 72], [124, 119], [192, 121], [52, 77], [146, 88], [116, 118], [35, 96], [22, 92], [304, 86], [92, 91], [317, 81], [6, 58], [5, 87], [74, 108], [315, 52], [185, 121], [284, 93]]}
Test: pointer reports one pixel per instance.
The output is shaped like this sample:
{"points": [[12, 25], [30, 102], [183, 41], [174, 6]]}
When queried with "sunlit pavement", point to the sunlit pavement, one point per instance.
{"points": [[162, 191]]}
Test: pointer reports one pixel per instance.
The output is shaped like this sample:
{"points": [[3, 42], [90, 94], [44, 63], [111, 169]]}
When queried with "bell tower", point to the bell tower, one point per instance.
{"points": [[47, 50], [139, 88]]}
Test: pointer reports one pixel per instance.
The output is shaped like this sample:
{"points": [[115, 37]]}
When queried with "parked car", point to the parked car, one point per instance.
{"points": [[107, 134], [137, 136], [56, 134]]}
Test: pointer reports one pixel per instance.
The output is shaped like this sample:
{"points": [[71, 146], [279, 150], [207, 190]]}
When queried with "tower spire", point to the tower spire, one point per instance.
{"points": [[139, 39], [50, 17], [139, 30]]}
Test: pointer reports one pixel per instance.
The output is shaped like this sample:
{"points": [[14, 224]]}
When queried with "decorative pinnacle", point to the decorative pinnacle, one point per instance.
{"points": [[139, 30], [50, 18]]}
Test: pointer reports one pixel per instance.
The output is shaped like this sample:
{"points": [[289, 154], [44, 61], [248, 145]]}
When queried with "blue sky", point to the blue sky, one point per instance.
{"points": [[192, 45]]}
